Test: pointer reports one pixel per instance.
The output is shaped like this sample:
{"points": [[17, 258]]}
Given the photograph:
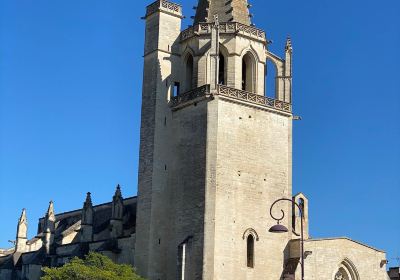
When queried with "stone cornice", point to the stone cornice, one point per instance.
{"points": [[225, 28]]}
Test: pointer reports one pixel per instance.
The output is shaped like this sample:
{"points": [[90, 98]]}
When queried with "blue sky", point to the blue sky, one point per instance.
{"points": [[70, 89]]}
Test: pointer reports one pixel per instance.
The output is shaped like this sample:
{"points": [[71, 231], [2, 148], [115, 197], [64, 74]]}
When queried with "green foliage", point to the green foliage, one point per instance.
{"points": [[93, 267]]}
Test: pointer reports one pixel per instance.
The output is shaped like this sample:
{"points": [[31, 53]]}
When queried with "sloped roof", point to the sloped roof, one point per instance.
{"points": [[69, 221]]}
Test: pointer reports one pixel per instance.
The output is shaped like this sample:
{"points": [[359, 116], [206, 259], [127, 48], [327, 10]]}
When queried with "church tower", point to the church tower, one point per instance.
{"points": [[215, 151]]}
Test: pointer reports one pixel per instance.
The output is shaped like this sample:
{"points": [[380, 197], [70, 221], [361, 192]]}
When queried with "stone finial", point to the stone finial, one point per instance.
{"points": [[228, 11], [88, 201], [22, 227], [49, 222], [116, 225], [22, 219], [50, 218], [288, 46], [50, 215], [216, 20], [117, 204], [87, 210], [118, 194], [87, 220], [22, 233]]}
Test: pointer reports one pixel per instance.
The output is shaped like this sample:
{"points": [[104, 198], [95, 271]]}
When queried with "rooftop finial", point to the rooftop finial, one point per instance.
{"points": [[50, 211], [23, 219], [88, 201], [118, 194], [288, 46]]}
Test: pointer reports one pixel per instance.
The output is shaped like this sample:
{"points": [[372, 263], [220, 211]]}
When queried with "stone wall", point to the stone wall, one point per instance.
{"points": [[328, 255], [251, 149]]}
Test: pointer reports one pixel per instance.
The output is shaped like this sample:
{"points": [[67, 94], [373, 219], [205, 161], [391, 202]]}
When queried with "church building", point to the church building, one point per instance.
{"points": [[215, 154]]}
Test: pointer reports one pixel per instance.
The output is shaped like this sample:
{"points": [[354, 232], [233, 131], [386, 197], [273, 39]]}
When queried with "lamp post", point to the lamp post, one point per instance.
{"points": [[278, 228]]}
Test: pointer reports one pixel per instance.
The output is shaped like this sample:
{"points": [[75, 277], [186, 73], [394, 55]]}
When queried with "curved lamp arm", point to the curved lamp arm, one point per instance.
{"points": [[280, 218], [283, 213]]}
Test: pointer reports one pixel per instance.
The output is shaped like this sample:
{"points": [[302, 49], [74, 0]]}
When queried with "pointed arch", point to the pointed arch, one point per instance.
{"points": [[274, 82], [252, 51], [346, 271], [188, 68], [249, 71], [223, 65]]}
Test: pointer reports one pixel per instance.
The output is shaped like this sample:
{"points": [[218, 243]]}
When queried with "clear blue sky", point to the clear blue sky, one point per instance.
{"points": [[70, 89]]}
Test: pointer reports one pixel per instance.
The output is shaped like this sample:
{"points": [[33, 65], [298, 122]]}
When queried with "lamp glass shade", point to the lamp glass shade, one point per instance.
{"points": [[278, 229]]}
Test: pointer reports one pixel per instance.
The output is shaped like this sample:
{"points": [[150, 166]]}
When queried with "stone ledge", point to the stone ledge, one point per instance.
{"points": [[246, 97]]}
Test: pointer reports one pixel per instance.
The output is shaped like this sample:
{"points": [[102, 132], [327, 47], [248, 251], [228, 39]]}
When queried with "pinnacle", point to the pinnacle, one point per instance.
{"points": [[23, 219], [88, 201], [118, 193], [288, 46], [50, 211], [88, 197]]}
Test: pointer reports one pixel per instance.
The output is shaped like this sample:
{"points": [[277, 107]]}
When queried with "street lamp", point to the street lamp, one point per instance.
{"points": [[278, 228]]}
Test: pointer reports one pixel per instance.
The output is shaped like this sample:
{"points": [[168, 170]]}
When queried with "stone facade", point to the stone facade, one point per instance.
{"points": [[215, 153]]}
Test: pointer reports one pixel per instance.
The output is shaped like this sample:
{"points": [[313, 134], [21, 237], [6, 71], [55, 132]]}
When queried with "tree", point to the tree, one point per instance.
{"points": [[94, 266]]}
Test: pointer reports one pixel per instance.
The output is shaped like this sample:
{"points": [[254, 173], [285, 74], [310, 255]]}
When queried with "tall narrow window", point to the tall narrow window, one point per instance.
{"points": [[250, 251], [189, 73], [248, 73], [221, 73]]}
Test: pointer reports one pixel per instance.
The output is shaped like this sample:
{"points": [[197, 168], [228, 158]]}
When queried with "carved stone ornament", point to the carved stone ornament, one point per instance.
{"points": [[339, 276]]}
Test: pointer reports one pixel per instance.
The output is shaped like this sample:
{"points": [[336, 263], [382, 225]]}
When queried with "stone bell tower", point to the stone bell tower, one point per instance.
{"points": [[215, 152]]}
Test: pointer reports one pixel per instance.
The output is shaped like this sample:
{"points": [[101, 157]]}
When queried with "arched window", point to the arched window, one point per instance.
{"points": [[250, 251], [248, 73], [221, 71], [346, 271], [189, 73]]}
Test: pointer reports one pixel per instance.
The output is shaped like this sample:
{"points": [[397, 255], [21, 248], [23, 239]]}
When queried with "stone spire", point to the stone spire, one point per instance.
{"points": [[50, 217], [49, 226], [227, 10], [22, 229], [117, 214], [88, 201], [117, 204], [87, 220], [288, 46]]}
